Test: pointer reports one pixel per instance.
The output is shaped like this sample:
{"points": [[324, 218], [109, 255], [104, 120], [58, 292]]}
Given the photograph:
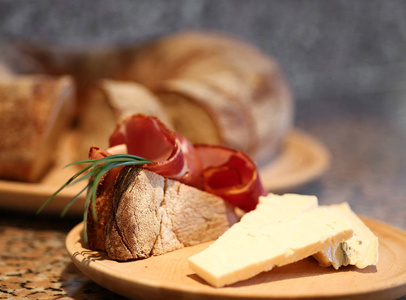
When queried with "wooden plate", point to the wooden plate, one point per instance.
{"points": [[169, 277], [301, 160]]}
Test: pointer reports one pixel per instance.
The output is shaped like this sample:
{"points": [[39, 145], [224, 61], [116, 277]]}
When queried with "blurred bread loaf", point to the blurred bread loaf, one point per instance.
{"points": [[214, 88], [217, 90], [34, 112], [107, 103]]}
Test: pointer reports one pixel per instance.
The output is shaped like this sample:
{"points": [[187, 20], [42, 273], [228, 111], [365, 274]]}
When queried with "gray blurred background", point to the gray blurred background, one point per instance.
{"points": [[328, 49], [345, 61]]}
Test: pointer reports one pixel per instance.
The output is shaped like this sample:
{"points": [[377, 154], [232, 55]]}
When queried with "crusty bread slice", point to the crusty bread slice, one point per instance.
{"points": [[107, 103], [35, 113], [141, 214]]}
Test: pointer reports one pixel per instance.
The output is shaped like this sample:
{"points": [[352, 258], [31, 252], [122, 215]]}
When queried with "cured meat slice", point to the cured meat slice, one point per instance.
{"points": [[227, 173], [148, 137], [231, 175]]}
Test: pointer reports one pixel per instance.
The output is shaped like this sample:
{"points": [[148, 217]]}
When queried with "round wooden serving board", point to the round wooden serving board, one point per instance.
{"points": [[301, 159], [169, 277]]}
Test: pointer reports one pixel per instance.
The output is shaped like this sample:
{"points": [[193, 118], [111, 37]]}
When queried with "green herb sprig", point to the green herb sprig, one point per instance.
{"points": [[93, 172]]}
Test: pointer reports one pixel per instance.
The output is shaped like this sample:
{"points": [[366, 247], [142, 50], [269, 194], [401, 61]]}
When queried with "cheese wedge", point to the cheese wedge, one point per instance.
{"points": [[361, 250], [247, 248]]}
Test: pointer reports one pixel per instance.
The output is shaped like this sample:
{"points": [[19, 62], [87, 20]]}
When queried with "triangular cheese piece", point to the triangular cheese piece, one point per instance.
{"points": [[280, 236]]}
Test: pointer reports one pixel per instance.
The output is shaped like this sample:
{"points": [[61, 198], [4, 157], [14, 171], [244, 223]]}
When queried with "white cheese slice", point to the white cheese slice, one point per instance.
{"points": [[361, 250], [247, 248]]}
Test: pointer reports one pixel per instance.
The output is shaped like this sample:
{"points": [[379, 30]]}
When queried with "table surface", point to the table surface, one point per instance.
{"points": [[365, 135]]}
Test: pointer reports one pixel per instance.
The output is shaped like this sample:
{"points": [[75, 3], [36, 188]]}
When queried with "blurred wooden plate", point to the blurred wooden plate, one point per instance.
{"points": [[169, 277], [301, 159]]}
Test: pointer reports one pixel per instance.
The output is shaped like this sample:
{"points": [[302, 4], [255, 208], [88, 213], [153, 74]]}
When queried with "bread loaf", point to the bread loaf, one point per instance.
{"points": [[107, 103], [217, 90], [35, 111], [141, 214]]}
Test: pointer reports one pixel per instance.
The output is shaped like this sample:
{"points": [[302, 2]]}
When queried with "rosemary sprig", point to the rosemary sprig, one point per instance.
{"points": [[94, 171]]}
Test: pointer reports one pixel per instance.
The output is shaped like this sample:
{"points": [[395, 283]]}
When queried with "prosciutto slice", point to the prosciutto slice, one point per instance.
{"points": [[231, 175], [227, 173], [174, 156]]}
